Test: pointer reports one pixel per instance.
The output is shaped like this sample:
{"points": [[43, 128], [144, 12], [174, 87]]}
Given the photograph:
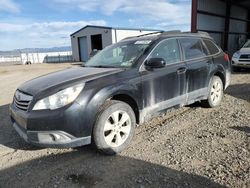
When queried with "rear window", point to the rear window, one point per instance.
{"points": [[192, 48], [213, 49]]}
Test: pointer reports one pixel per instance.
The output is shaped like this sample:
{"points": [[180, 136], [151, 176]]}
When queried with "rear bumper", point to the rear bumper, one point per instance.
{"points": [[228, 79], [51, 139]]}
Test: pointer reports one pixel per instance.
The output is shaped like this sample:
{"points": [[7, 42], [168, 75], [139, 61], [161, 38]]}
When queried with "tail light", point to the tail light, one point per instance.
{"points": [[226, 57]]}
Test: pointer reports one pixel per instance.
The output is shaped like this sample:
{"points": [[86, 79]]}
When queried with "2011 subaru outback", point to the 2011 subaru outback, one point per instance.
{"points": [[123, 85]]}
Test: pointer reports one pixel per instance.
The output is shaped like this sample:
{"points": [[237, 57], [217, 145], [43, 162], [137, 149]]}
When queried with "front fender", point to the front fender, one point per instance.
{"points": [[97, 99]]}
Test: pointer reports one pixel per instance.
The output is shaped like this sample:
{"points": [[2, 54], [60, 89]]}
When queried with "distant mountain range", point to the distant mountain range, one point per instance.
{"points": [[35, 50]]}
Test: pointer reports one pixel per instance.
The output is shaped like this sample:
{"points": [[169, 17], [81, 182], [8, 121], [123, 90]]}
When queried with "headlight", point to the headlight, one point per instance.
{"points": [[236, 55], [59, 99]]}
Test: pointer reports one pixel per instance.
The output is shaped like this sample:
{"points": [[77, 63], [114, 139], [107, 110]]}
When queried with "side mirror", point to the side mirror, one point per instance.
{"points": [[155, 63]]}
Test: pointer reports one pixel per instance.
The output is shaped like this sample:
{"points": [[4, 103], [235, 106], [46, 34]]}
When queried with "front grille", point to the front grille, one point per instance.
{"points": [[244, 60], [22, 100], [245, 56]]}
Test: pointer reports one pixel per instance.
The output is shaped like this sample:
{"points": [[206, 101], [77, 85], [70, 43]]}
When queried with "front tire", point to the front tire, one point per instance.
{"points": [[114, 127], [215, 93]]}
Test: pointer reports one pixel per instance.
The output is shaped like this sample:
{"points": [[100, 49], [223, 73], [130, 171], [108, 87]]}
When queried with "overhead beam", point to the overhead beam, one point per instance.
{"points": [[221, 32], [221, 16]]}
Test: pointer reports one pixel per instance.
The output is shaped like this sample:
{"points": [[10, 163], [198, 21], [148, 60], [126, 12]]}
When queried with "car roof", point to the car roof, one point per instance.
{"points": [[168, 34]]}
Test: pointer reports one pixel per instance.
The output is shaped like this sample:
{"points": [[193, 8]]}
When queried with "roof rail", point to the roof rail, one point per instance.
{"points": [[203, 33], [171, 32], [143, 35], [162, 33]]}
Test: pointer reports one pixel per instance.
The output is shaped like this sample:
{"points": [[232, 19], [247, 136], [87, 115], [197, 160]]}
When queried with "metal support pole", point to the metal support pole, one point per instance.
{"points": [[194, 16], [227, 25]]}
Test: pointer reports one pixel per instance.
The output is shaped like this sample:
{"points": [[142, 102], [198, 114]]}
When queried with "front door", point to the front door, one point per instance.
{"points": [[164, 87]]}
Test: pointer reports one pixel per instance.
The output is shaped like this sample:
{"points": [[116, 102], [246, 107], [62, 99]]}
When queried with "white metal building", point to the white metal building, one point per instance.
{"points": [[91, 37]]}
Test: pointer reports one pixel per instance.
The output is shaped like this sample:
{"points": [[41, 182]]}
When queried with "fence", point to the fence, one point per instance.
{"points": [[39, 57], [13, 59], [58, 59]]}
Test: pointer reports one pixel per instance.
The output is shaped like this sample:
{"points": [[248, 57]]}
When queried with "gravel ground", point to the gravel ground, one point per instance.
{"points": [[186, 147]]}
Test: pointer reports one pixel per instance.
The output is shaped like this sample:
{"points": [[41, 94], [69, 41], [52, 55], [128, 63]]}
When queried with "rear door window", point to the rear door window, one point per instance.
{"points": [[192, 48], [211, 46]]}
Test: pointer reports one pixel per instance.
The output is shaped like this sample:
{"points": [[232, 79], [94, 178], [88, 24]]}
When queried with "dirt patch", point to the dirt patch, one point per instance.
{"points": [[187, 147], [3, 71]]}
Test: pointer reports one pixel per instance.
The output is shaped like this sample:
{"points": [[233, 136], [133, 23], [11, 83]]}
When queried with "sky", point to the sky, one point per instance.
{"points": [[49, 23]]}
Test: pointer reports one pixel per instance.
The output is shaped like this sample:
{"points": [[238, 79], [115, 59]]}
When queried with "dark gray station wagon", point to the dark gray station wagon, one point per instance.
{"points": [[123, 85]]}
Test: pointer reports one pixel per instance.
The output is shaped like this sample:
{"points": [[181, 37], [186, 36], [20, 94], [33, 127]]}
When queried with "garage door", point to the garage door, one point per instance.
{"points": [[83, 49]]}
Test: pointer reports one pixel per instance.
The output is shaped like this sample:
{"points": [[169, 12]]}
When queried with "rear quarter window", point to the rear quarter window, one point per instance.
{"points": [[211, 46], [192, 48]]}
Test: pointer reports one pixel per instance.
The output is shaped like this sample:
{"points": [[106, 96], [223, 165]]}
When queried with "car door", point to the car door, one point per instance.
{"points": [[164, 87], [198, 65]]}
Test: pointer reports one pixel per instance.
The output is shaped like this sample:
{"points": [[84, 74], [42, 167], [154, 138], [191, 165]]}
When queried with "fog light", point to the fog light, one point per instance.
{"points": [[55, 137]]}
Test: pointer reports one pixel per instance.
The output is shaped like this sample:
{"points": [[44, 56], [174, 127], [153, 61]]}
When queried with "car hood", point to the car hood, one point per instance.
{"points": [[244, 51], [63, 78]]}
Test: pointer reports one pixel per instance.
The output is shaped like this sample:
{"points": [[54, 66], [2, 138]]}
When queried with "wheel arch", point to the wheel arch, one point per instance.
{"points": [[127, 93], [220, 72], [222, 77], [130, 101]]}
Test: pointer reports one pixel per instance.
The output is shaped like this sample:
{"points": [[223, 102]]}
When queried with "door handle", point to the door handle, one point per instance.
{"points": [[181, 70]]}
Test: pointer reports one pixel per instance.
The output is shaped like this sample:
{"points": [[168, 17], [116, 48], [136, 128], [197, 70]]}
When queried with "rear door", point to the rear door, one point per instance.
{"points": [[198, 66], [164, 87]]}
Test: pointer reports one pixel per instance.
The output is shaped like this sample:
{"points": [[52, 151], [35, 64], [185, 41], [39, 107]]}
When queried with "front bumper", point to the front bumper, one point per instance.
{"points": [[51, 139], [63, 128], [238, 63]]}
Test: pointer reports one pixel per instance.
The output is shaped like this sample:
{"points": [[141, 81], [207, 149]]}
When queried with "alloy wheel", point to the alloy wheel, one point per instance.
{"points": [[216, 92], [117, 128]]}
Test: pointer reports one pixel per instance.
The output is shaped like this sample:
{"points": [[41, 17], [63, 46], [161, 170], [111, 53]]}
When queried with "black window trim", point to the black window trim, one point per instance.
{"points": [[205, 46], [142, 66], [219, 49], [198, 58]]}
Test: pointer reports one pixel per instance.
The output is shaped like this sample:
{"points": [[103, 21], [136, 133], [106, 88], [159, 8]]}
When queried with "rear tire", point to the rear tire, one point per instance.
{"points": [[114, 127], [215, 93]]}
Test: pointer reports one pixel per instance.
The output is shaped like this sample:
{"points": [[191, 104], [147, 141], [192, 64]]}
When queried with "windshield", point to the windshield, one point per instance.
{"points": [[247, 45], [123, 54]]}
